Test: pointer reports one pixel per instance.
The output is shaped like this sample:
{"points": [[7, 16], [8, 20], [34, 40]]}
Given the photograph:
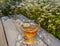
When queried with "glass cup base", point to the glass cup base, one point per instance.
{"points": [[21, 42]]}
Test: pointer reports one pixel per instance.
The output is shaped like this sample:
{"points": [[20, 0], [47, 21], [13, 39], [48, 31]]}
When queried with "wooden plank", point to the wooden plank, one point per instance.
{"points": [[22, 18], [45, 36], [11, 32], [2, 36], [49, 38]]}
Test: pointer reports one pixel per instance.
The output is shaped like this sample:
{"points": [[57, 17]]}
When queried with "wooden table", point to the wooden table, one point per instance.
{"points": [[9, 32]]}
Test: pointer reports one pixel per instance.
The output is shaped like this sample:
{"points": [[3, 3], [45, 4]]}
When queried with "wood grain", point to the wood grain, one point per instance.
{"points": [[46, 37], [2, 36], [11, 32]]}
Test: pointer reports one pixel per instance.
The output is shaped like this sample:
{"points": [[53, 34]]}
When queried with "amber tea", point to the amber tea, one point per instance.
{"points": [[29, 30]]}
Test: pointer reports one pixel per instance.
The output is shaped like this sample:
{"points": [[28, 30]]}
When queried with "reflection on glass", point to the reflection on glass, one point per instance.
{"points": [[29, 31]]}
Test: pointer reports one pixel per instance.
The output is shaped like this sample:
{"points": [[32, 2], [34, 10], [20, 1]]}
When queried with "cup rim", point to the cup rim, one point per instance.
{"points": [[37, 27]]}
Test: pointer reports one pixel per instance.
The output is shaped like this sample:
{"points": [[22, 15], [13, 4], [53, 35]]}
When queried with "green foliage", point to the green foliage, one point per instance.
{"points": [[46, 13]]}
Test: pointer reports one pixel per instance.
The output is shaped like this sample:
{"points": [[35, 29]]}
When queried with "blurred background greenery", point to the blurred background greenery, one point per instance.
{"points": [[44, 12]]}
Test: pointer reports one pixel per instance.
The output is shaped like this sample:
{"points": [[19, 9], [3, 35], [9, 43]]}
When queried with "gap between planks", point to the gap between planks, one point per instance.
{"points": [[10, 30], [2, 36]]}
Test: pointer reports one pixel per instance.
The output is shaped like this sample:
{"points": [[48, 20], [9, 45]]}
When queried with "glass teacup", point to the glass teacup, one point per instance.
{"points": [[29, 31]]}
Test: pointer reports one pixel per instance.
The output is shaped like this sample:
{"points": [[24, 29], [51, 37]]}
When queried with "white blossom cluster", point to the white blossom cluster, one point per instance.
{"points": [[47, 14]]}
